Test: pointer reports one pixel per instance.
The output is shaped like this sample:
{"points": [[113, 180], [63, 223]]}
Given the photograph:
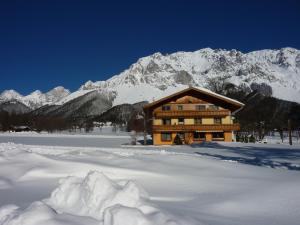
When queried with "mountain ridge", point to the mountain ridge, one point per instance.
{"points": [[158, 75], [35, 99], [164, 74]]}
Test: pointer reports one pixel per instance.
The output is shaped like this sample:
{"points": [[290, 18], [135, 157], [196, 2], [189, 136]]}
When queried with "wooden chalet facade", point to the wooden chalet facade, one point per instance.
{"points": [[195, 115]]}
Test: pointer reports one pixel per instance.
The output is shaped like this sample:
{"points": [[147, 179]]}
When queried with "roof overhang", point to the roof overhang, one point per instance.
{"points": [[201, 93]]}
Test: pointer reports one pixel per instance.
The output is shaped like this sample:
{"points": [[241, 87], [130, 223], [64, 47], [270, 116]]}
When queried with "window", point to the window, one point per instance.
{"points": [[199, 135], [197, 120], [166, 108], [217, 120], [166, 136], [200, 107], [166, 121], [181, 121], [218, 135], [213, 107], [179, 107]]}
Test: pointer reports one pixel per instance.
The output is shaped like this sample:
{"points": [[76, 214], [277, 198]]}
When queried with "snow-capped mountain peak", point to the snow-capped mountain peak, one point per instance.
{"points": [[157, 75], [10, 94], [37, 98], [56, 94]]}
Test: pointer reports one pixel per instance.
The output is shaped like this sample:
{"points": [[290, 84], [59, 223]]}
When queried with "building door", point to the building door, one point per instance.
{"points": [[179, 138], [181, 135]]}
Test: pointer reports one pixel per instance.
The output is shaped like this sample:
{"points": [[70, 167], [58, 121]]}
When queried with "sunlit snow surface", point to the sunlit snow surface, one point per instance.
{"points": [[57, 179]]}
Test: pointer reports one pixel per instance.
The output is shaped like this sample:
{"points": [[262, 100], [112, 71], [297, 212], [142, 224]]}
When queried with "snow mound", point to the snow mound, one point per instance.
{"points": [[7, 212], [94, 198], [37, 213], [99, 197]]}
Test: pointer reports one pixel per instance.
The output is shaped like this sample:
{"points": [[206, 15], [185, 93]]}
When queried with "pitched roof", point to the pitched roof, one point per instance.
{"points": [[203, 91]]}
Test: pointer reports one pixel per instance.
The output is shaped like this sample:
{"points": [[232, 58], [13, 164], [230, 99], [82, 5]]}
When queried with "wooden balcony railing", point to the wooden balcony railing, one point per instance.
{"points": [[191, 113], [200, 127]]}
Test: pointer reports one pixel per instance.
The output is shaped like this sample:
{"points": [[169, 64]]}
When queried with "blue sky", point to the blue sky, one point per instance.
{"points": [[46, 43]]}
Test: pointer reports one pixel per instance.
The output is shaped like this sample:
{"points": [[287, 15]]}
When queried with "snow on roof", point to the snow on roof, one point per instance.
{"points": [[202, 90]]}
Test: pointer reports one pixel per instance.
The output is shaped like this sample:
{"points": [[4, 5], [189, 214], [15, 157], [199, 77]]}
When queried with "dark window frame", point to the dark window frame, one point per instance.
{"points": [[218, 135], [200, 107], [166, 136], [166, 108], [179, 107], [198, 135], [213, 107], [182, 122], [217, 120], [166, 119], [198, 119]]}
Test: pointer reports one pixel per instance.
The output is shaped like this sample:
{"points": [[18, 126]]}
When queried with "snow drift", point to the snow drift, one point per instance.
{"points": [[94, 199]]}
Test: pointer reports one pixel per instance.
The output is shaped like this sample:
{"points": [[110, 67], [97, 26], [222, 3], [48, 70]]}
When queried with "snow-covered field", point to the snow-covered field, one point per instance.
{"points": [[62, 179]]}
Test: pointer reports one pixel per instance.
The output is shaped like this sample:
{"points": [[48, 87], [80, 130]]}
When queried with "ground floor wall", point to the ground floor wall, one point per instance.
{"points": [[157, 140], [228, 136], [188, 137]]}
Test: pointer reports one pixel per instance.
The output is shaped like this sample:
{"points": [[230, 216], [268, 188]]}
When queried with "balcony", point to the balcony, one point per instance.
{"points": [[191, 113], [200, 127]]}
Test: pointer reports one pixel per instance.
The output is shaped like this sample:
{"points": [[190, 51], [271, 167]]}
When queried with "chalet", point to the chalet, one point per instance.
{"points": [[193, 114]]}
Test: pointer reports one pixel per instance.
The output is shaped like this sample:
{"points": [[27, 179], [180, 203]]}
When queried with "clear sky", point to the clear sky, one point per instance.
{"points": [[47, 43]]}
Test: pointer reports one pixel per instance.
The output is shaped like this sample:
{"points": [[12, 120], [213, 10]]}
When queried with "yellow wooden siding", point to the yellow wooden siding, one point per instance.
{"points": [[188, 138], [157, 122], [189, 121], [157, 139], [228, 136], [227, 120], [208, 137], [174, 121], [207, 120]]}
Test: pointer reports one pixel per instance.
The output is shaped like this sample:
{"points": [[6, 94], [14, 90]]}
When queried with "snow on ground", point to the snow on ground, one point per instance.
{"points": [[88, 179]]}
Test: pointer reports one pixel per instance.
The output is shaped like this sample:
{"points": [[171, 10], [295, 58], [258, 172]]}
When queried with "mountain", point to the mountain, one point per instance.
{"points": [[36, 99], [8, 95], [270, 72], [157, 75]]}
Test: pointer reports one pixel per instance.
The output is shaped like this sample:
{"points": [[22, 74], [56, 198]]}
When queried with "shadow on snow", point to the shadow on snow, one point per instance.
{"points": [[258, 156]]}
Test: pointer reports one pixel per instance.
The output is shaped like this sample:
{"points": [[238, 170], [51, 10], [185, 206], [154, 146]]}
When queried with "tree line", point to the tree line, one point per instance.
{"points": [[42, 123]]}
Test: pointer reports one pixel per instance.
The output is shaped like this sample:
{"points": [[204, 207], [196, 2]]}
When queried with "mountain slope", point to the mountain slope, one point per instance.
{"points": [[121, 114], [91, 104], [269, 112], [14, 106]]}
